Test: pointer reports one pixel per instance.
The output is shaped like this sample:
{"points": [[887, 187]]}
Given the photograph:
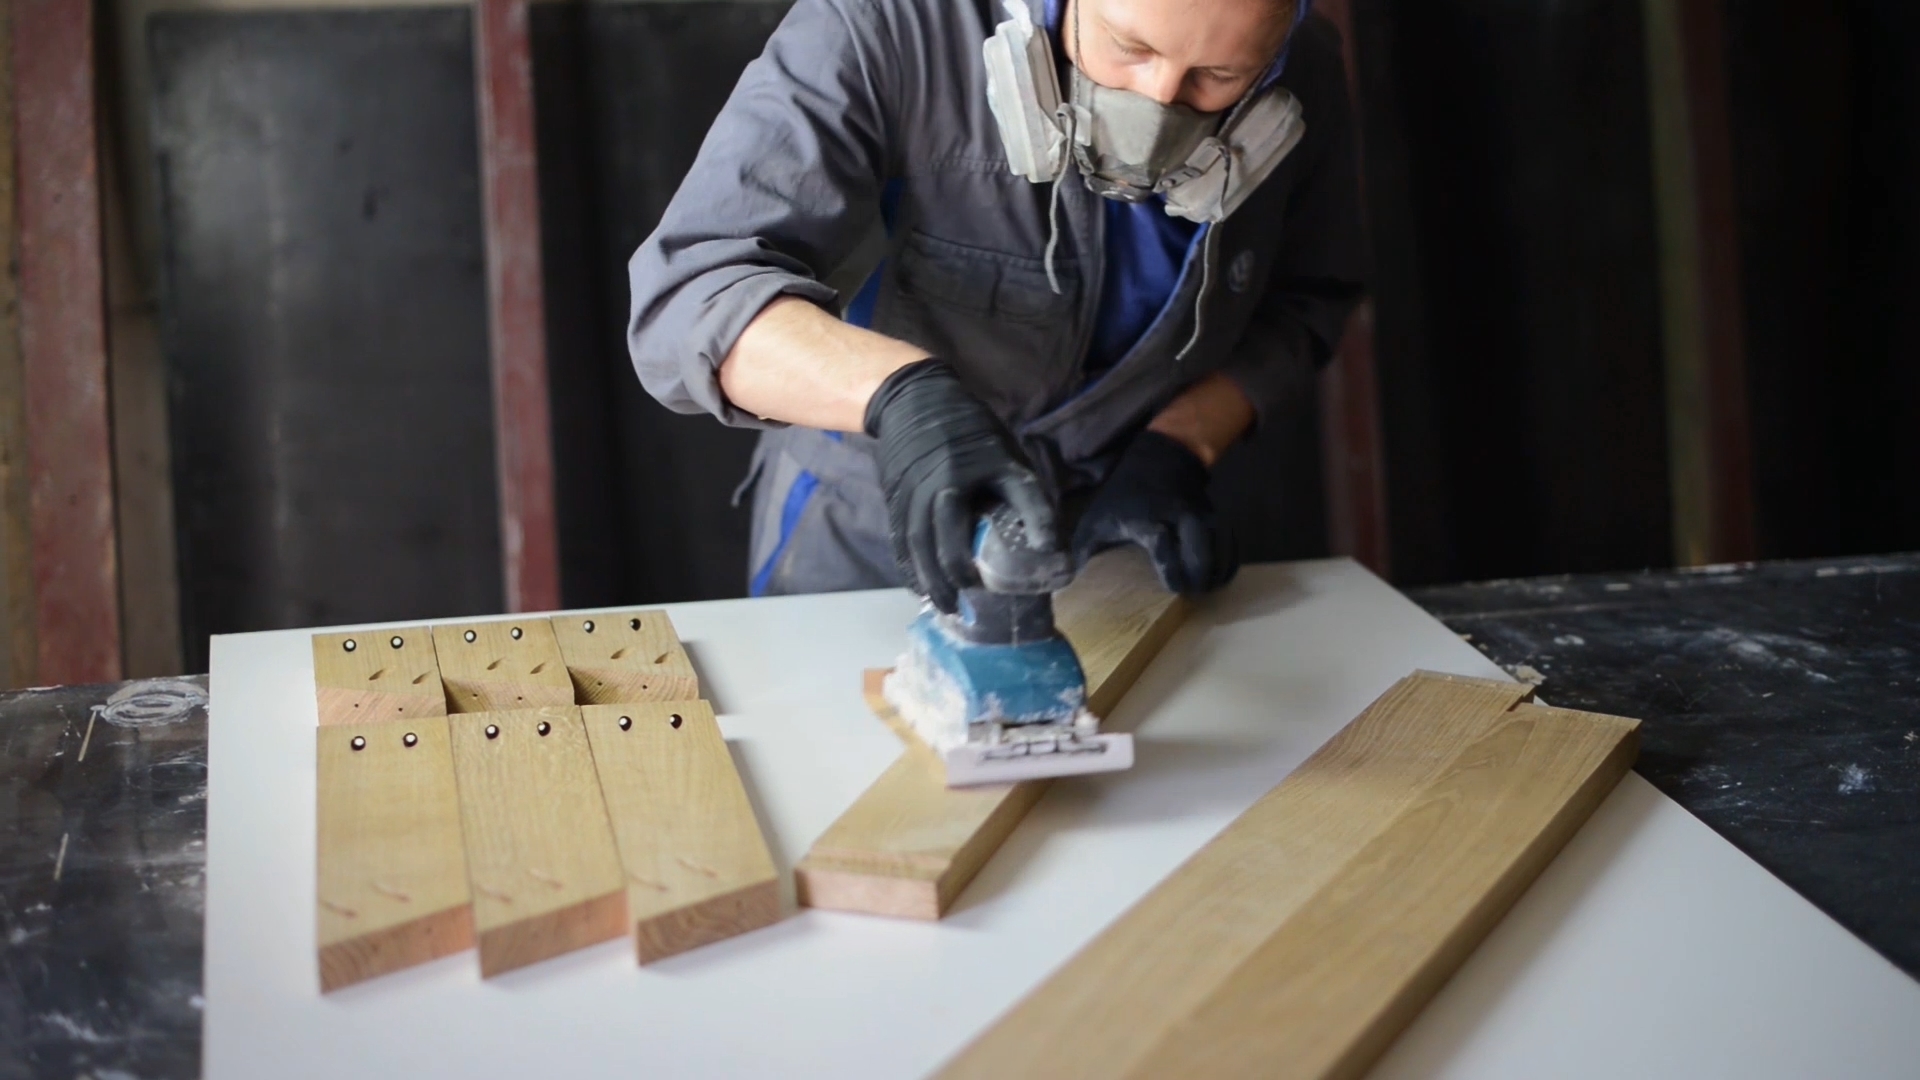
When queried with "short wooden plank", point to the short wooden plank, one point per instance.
{"points": [[392, 874], [697, 866], [910, 844], [501, 666], [619, 657], [540, 854], [367, 676], [1301, 940]]}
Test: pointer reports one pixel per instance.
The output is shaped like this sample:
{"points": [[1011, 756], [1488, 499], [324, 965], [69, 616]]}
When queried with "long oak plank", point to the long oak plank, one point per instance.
{"points": [[1301, 940], [909, 845]]}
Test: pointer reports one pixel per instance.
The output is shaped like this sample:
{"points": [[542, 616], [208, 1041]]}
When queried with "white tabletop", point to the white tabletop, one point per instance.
{"points": [[1651, 947]]}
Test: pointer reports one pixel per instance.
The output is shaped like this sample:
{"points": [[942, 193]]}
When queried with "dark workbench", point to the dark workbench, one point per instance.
{"points": [[1779, 702], [1781, 706]]}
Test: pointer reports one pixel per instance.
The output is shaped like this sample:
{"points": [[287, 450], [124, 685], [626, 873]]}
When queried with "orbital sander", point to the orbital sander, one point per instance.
{"points": [[994, 688]]}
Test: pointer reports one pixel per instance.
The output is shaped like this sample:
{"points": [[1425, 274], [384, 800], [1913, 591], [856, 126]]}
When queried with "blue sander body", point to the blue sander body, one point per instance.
{"points": [[995, 689]]}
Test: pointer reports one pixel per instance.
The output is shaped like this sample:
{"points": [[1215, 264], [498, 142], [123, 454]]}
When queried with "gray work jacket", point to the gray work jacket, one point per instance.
{"points": [[856, 98]]}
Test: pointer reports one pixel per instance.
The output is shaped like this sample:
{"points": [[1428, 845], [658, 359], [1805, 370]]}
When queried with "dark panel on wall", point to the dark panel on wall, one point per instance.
{"points": [[592, 551], [660, 73], [1518, 330], [325, 318], [1826, 116]]}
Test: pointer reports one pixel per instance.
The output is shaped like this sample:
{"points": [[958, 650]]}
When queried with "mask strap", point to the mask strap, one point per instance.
{"points": [[1053, 229]]}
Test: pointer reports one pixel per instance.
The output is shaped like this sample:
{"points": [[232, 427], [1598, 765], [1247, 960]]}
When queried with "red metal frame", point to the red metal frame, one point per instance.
{"points": [[529, 535], [1352, 456], [63, 343]]}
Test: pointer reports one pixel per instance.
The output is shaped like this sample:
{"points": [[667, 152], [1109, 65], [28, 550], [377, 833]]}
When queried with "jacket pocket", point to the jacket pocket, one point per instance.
{"points": [[983, 282]]}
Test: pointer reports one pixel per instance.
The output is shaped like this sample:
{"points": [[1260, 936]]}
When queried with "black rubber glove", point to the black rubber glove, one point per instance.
{"points": [[944, 460], [1156, 497]]}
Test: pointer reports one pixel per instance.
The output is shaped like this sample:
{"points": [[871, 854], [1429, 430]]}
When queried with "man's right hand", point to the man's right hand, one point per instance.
{"points": [[944, 460]]}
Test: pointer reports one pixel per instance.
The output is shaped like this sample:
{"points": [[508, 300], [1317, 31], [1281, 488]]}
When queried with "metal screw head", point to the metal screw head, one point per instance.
{"points": [[349, 645], [587, 626], [626, 722], [469, 635], [516, 633], [409, 739], [633, 623], [359, 742], [675, 721], [397, 641], [544, 727], [493, 731]]}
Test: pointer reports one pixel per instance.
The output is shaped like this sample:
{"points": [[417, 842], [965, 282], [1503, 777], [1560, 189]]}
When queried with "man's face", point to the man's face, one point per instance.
{"points": [[1204, 54]]}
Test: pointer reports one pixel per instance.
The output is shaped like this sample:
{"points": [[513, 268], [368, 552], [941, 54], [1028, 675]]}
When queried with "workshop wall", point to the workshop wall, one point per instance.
{"points": [[1518, 333], [1826, 133], [315, 184], [324, 318]]}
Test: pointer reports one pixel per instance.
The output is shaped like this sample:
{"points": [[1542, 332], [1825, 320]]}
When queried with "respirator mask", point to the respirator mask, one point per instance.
{"points": [[1128, 146]]}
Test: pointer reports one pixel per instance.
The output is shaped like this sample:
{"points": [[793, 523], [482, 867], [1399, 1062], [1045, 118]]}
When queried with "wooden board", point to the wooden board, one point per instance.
{"points": [[619, 657], [501, 666], [1301, 940], [697, 867], [910, 844], [369, 676], [392, 876], [540, 854]]}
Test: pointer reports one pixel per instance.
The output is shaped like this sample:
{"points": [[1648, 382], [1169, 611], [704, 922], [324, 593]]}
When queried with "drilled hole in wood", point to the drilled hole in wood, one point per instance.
{"points": [[349, 645], [470, 636], [544, 727], [587, 626], [633, 624], [626, 722], [359, 742], [676, 721], [493, 731], [515, 632], [410, 739], [397, 641]]}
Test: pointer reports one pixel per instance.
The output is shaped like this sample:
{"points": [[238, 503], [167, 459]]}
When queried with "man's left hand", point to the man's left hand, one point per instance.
{"points": [[1157, 497]]}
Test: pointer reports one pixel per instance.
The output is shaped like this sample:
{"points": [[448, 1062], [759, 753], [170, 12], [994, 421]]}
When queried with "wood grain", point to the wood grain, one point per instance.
{"points": [[541, 860], [1306, 936], [506, 666], [697, 867], [910, 844], [392, 875], [364, 677], [626, 656]]}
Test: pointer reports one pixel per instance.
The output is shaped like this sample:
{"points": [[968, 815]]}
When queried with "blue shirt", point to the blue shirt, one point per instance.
{"points": [[1145, 252]]}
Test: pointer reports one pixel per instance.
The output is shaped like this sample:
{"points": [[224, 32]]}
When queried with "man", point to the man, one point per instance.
{"points": [[1096, 341]]}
